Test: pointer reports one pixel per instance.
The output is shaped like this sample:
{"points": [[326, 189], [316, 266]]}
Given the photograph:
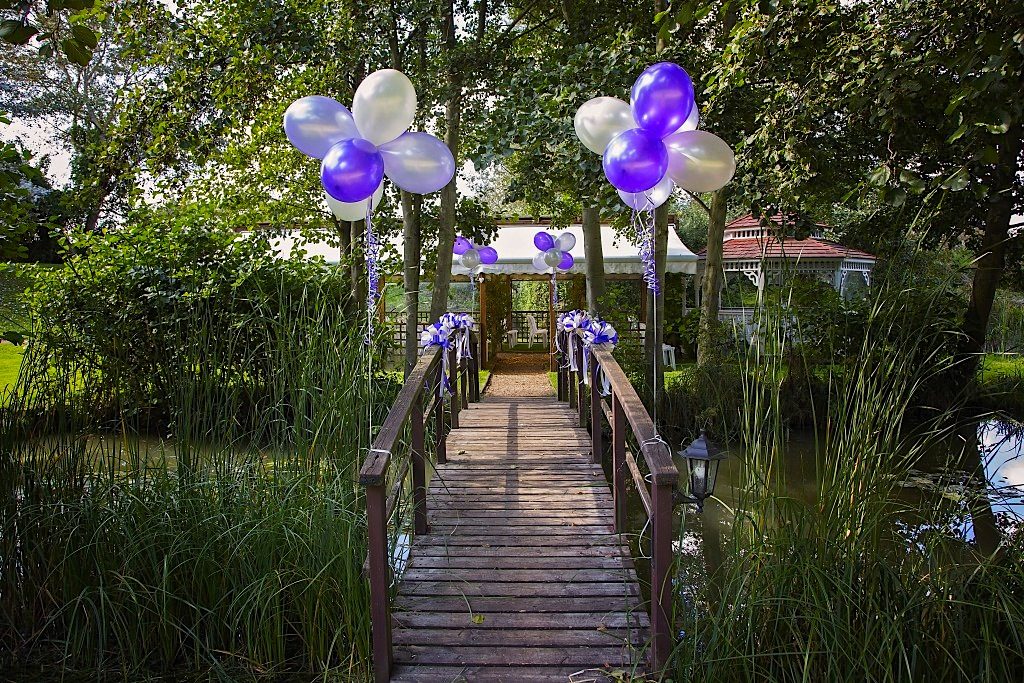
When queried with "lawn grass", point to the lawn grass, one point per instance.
{"points": [[10, 363]]}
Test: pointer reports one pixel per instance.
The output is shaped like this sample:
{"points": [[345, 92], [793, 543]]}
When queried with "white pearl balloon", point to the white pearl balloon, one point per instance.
{"points": [[538, 262], [692, 121], [566, 241], [384, 105], [354, 211], [601, 119], [699, 161], [552, 257], [314, 124], [652, 198], [471, 259]]}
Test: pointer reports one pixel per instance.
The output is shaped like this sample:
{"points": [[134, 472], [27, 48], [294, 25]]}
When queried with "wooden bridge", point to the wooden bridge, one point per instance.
{"points": [[514, 566]]}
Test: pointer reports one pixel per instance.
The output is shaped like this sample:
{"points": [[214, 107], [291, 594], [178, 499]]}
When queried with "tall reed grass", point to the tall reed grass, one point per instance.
{"points": [[198, 514], [835, 588]]}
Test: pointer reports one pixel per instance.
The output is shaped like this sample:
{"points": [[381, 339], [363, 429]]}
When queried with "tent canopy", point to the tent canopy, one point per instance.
{"points": [[514, 243]]}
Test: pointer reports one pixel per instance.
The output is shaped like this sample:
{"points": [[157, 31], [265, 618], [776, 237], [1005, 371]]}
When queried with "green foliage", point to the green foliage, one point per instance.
{"points": [[183, 439], [53, 25]]}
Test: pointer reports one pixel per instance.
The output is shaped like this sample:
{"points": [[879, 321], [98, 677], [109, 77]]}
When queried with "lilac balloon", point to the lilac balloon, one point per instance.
{"points": [[661, 98], [418, 162], [462, 245], [543, 241], [488, 255], [635, 160], [314, 124], [566, 262], [352, 170]]}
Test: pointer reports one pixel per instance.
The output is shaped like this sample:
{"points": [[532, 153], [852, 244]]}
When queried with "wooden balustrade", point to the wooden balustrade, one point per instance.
{"points": [[626, 413], [417, 403]]}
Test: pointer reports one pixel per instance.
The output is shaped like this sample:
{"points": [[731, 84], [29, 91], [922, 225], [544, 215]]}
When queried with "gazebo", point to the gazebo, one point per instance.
{"points": [[514, 244], [755, 255]]}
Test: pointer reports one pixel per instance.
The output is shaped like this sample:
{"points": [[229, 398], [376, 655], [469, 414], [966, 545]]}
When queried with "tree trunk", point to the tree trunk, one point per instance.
{"points": [[356, 264], [707, 348], [654, 332], [449, 195], [993, 250], [411, 210], [594, 254]]}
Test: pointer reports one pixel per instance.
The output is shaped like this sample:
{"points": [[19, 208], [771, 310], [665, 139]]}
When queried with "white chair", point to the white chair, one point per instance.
{"points": [[512, 338], [668, 353], [535, 331]]}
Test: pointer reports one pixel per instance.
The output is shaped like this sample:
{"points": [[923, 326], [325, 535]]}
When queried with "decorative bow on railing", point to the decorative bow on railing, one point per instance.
{"points": [[593, 333], [451, 331]]}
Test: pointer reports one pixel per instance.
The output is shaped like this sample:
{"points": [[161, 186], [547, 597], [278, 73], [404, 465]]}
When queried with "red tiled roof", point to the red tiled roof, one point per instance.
{"points": [[749, 221], [770, 247]]}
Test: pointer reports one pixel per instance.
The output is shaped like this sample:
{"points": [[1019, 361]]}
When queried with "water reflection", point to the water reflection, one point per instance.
{"points": [[978, 475]]}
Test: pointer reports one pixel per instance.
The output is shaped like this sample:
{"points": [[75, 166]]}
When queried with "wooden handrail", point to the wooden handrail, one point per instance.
{"points": [[381, 501], [628, 413], [375, 467]]}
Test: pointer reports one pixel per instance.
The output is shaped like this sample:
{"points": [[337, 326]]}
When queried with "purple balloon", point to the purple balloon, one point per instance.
{"points": [[566, 262], [635, 161], [543, 241], [352, 170], [462, 245], [661, 98], [488, 255]]}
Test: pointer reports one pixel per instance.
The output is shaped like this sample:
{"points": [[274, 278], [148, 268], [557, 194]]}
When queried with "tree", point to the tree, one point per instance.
{"points": [[915, 104]]}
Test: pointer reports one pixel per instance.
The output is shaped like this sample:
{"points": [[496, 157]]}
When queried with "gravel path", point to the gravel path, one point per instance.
{"points": [[520, 374]]}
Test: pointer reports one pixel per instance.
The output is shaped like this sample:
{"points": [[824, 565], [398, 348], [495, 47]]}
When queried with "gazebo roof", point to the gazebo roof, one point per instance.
{"points": [[514, 243], [746, 239]]}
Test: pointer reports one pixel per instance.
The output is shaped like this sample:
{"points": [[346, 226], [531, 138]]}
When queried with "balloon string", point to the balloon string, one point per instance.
{"points": [[372, 275]]}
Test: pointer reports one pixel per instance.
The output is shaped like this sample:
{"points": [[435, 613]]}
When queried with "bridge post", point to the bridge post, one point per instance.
{"points": [[619, 463], [580, 385], [475, 361], [419, 469], [570, 381], [439, 426], [380, 611], [559, 370], [453, 379], [596, 450], [464, 367], [661, 578]]}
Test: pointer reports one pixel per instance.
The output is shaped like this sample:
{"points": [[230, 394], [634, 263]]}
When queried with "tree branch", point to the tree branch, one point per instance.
{"points": [[699, 201]]}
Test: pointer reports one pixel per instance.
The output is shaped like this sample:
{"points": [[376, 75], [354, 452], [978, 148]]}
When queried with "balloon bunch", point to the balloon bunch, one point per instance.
{"points": [[652, 144], [472, 256], [358, 148], [553, 253]]}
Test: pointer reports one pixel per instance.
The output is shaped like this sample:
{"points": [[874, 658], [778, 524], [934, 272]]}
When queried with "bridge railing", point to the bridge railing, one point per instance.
{"points": [[625, 414], [388, 465]]}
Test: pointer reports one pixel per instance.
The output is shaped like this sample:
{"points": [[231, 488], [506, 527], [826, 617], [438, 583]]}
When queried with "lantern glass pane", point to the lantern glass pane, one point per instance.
{"points": [[698, 477]]}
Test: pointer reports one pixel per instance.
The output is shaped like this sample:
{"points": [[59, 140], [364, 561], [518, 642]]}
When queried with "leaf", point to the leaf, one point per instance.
{"points": [[76, 52], [913, 181], [956, 182], [477, 619], [880, 176], [16, 32], [958, 133], [84, 35]]}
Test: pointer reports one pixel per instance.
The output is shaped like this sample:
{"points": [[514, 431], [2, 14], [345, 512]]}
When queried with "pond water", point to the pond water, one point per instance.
{"points": [[993, 449]]}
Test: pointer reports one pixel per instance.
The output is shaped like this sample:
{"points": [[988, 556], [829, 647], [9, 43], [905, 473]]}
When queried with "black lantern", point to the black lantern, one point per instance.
{"points": [[702, 460]]}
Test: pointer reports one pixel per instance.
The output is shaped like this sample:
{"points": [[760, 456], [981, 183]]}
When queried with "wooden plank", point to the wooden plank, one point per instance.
{"points": [[500, 674], [499, 620], [457, 528], [583, 575], [524, 589], [519, 637], [483, 605], [588, 540], [514, 656], [436, 550], [492, 561]]}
